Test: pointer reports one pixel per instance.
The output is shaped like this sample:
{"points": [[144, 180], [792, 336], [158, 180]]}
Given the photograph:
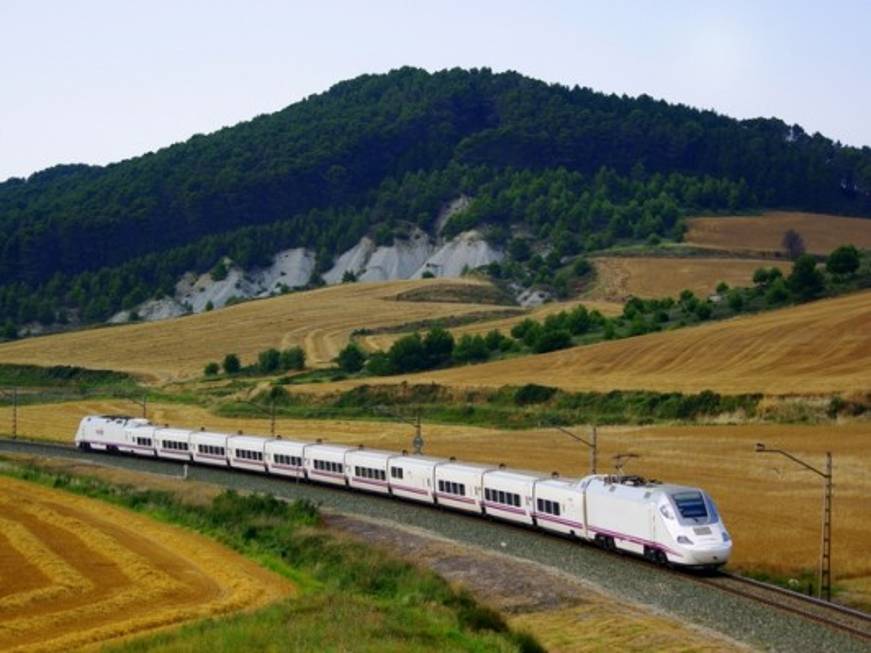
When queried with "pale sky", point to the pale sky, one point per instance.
{"points": [[96, 81]]}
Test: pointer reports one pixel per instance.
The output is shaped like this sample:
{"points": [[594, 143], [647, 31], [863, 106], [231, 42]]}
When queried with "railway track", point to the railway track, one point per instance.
{"points": [[854, 623]]}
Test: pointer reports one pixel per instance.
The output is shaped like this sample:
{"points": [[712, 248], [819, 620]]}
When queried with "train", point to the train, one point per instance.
{"points": [[669, 524]]}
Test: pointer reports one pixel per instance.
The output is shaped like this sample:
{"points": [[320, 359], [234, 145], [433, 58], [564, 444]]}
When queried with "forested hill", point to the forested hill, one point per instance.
{"points": [[382, 148]]}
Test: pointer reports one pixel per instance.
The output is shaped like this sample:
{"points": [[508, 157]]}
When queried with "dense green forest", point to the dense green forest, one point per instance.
{"points": [[381, 152]]}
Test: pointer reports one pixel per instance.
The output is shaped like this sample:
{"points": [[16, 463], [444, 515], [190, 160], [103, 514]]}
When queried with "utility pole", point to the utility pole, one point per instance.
{"points": [[142, 403], [417, 441], [270, 412], [14, 396], [824, 588], [592, 444]]}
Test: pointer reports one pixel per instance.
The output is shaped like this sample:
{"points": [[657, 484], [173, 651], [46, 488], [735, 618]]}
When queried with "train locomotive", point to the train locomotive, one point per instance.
{"points": [[668, 524]]}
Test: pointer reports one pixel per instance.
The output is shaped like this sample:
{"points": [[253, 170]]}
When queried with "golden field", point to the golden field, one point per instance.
{"points": [[78, 573], [816, 348], [821, 233], [771, 507], [320, 320], [618, 278]]}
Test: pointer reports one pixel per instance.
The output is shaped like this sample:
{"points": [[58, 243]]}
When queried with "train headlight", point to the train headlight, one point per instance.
{"points": [[683, 539], [726, 537]]}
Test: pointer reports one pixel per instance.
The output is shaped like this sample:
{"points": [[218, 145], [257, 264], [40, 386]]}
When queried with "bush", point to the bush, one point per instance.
{"points": [[806, 280], [735, 300], [212, 369], [209, 306], [843, 261], [581, 267], [407, 354], [793, 243], [532, 393], [438, 345], [292, 359], [777, 294], [551, 340], [471, 349], [268, 361], [380, 364], [351, 358], [231, 364], [703, 311], [349, 277], [495, 341], [219, 271]]}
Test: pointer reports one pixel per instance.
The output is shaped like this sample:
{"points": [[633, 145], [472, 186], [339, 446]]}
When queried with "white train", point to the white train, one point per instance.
{"points": [[669, 524]]}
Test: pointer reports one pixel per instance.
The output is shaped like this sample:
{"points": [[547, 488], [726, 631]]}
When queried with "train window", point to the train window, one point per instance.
{"points": [[517, 500], [441, 486], [487, 493], [396, 472], [691, 505]]}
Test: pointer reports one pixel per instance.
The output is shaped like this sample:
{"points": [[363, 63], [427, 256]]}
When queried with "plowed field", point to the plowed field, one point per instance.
{"points": [[619, 278], [820, 347], [821, 233], [76, 572]]}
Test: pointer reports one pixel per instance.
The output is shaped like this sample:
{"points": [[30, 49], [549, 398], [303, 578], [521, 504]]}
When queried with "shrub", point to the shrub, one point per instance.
{"points": [[495, 341], [843, 261], [268, 361], [735, 300], [209, 306], [408, 354], [349, 277], [471, 349], [532, 393], [380, 364], [806, 280], [219, 271], [777, 294], [551, 340], [292, 359], [211, 369], [438, 345], [351, 358], [231, 364]]}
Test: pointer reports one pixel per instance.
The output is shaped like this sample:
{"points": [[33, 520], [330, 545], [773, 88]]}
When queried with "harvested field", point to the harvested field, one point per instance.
{"points": [[719, 458], [816, 348], [618, 278], [320, 320], [821, 233], [77, 572]]}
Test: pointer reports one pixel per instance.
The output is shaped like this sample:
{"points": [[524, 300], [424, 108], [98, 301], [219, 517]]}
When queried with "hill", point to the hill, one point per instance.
{"points": [[820, 347], [321, 321], [821, 233], [381, 155]]}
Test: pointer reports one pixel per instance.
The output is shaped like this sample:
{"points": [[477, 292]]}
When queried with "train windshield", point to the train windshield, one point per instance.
{"points": [[690, 505]]}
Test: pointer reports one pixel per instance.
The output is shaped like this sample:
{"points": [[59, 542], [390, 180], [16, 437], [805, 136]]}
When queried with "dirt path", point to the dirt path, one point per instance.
{"points": [[78, 572]]}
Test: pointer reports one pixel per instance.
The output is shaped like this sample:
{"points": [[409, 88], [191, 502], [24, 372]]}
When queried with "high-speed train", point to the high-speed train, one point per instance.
{"points": [[669, 524]]}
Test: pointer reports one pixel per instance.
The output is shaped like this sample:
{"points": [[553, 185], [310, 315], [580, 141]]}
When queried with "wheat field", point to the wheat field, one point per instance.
{"points": [[816, 348], [751, 490], [78, 573], [618, 278], [821, 233], [320, 320]]}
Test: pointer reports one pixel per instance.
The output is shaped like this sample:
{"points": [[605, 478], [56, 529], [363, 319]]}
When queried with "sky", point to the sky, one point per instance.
{"points": [[96, 81]]}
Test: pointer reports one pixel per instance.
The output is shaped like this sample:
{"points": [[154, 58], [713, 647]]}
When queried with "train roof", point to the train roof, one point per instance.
{"points": [[251, 440], [515, 474]]}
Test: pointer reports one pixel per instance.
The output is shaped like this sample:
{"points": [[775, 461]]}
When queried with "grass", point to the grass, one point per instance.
{"points": [[821, 233], [380, 602]]}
